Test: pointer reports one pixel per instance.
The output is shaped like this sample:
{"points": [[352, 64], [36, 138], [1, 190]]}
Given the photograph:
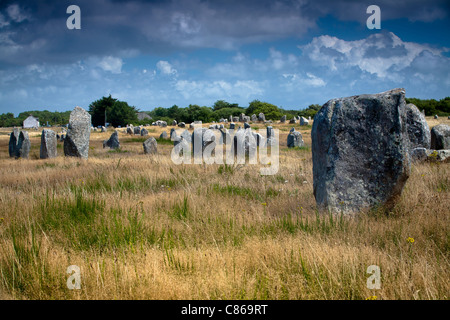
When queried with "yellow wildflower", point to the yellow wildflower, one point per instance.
{"points": [[410, 240]]}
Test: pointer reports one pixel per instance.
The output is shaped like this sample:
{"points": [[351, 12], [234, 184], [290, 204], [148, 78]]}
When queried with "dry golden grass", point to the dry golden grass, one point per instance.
{"points": [[140, 227]]}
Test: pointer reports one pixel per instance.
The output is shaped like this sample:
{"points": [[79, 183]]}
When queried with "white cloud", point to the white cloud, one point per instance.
{"points": [[111, 64], [382, 54], [166, 68]]}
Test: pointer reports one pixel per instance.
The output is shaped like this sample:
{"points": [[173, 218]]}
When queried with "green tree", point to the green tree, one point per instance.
{"points": [[271, 111], [99, 109], [121, 114]]}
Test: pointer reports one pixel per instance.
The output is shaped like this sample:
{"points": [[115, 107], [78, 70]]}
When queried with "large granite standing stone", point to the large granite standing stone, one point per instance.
{"points": [[49, 141], [150, 146], [113, 141], [417, 127], [440, 137], [360, 151], [76, 142], [13, 140], [23, 146]]}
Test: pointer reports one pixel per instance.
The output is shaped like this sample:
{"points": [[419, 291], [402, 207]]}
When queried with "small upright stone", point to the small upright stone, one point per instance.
{"points": [[283, 119], [232, 125], [440, 137], [163, 135], [436, 116], [76, 142], [246, 125], [13, 140], [144, 132], [262, 117], [113, 142], [150, 146], [23, 145], [48, 144], [294, 139], [304, 121], [137, 130], [174, 122], [253, 118]]}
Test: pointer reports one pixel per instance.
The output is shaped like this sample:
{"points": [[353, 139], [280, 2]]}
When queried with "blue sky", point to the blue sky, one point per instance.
{"points": [[160, 53]]}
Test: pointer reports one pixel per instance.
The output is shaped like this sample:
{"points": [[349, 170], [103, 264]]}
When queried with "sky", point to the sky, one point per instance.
{"points": [[160, 53]]}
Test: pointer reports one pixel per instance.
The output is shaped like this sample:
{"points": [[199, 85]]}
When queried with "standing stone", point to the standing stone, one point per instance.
{"points": [[270, 136], [63, 137], [241, 117], [48, 144], [174, 122], [440, 137], [436, 116], [359, 149], [137, 130], [103, 129], [22, 149], [304, 121], [261, 117], [235, 119], [232, 125], [173, 134], [163, 135], [182, 125], [144, 132], [292, 121], [150, 146], [113, 141], [294, 139], [254, 118], [283, 119], [245, 141], [130, 129], [246, 125], [76, 142], [13, 140], [186, 136], [417, 127]]}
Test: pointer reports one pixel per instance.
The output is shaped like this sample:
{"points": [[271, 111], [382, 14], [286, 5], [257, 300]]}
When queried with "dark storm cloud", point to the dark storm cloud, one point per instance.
{"points": [[35, 31]]}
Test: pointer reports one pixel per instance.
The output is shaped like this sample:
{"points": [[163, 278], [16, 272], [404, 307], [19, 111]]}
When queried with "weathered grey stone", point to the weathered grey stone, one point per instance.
{"points": [[163, 135], [246, 125], [174, 122], [63, 137], [232, 126], [244, 142], [76, 142], [130, 130], [436, 116], [137, 130], [182, 125], [294, 139], [283, 119], [180, 144], [304, 121], [292, 121], [186, 136], [13, 140], [150, 146], [439, 155], [23, 145], [204, 137], [360, 151], [419, 154], [253, 118], [144, 132], [103, 129], [113, 141], [235, 119], [270, 136], [225, 137], [48, 144], [261, 117], [440, 137], [417, 128], [173, 134]]}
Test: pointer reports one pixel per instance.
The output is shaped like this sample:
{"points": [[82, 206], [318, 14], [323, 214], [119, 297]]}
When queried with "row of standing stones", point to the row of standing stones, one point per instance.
{"points": [[362, 146]]}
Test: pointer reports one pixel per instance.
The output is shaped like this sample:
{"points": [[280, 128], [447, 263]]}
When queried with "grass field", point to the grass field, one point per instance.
{"points": [[140, 227]]}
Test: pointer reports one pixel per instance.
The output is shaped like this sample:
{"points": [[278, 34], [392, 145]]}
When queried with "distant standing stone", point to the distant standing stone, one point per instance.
{"points": [[246, 125], [113, 141], [174, 122], [76, 142], [283, 119], [137, 130], [48, 144], [304, 121], [182, 125], [440, 137], [254, 118], [294, 139], [436, 116], [360, 151], [232, 125], [261, 117], [23, 145], [13, 140], [103, 129], [163, 135], [144, 132], [150, 146]]}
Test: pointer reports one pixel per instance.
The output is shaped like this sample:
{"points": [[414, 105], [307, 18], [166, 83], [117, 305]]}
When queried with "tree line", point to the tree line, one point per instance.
{"points": [[119, 113]]}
